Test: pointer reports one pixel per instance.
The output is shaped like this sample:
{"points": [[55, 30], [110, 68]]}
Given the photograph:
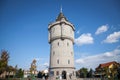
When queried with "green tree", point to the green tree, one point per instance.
{"points": [[114, 71], [83, 72], [90, 73], [33, 67], [40, 74], [20, 73], [4, 57]]}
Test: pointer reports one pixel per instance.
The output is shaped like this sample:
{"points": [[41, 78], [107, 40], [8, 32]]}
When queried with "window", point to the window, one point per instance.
{"points": [[67, 44], [58, 61], [57, 73], [68, 61], [53, 52]]}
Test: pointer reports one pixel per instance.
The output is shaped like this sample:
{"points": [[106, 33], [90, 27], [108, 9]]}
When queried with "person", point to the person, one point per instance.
{"points": [[46, 77]]}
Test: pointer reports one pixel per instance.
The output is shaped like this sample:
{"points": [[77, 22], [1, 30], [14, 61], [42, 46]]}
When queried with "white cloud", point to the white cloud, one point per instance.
{"points": [[39, 59], [46, 64], [95, 60], [84, 39], [112, 38], [101, 29], [78, 32]]}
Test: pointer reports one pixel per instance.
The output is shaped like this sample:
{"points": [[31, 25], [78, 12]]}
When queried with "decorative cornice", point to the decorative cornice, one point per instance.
{"points": [[61, 37], [59, 23]]}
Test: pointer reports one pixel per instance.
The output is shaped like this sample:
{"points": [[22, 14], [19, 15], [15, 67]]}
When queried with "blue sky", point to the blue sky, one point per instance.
{"points": [[24, 30]]}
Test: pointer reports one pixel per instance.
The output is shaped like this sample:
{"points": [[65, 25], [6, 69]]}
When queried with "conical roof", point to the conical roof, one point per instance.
{"points": [[60, 16]]}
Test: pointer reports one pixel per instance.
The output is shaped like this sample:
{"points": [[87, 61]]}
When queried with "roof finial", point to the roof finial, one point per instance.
{"points": [[61, 9]]}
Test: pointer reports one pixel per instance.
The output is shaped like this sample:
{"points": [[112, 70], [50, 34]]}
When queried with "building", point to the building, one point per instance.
{"points": [[107, 65], [6, 74], [61, 39], [108, 70], [27, 73]]}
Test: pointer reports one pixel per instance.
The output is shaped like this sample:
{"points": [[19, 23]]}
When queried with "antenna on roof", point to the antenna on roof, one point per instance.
{"points": [[61, 9]]}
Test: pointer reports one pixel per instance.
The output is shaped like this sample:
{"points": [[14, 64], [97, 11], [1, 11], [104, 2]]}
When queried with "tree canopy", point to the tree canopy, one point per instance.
{"points": [[4, 57]]}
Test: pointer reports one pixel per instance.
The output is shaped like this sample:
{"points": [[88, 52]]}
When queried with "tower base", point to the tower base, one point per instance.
{"points": [[62, 73]]}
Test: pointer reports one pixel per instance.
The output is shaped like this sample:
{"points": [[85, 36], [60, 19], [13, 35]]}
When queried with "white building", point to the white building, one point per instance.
{"points": [[27, 73], [61, 39]]}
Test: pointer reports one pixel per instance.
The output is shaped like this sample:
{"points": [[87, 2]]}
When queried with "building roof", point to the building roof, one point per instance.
{"points": [[60, 16], [107, 64]]}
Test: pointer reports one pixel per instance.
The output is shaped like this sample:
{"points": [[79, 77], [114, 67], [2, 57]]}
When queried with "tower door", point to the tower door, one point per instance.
{"points": [[63, 74]]}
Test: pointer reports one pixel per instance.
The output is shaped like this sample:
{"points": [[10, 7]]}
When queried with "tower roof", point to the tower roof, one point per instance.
{"points": [[60, 16]]}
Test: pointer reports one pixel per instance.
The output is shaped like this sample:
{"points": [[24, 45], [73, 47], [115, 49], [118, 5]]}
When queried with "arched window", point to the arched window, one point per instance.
{"points": [[67, 44], [57, 73], [68, 61], [58, 43], [58, 61]]}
